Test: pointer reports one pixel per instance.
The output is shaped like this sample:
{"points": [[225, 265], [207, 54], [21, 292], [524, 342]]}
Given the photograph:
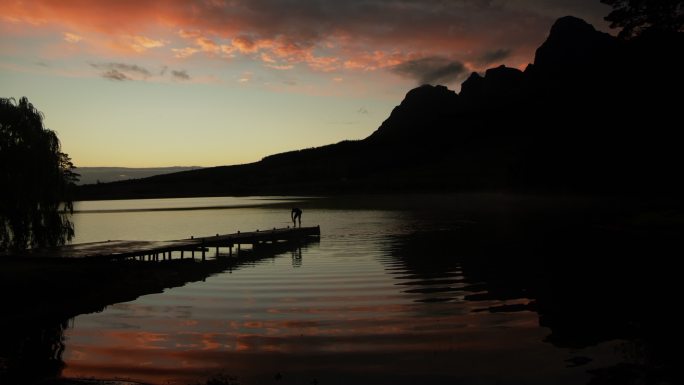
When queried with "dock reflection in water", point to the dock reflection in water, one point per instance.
{"points": [[386, 297]]}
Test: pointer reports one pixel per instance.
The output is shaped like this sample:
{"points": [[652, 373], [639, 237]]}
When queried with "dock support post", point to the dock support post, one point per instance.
{"points": [[203, 252], [181, 253]]}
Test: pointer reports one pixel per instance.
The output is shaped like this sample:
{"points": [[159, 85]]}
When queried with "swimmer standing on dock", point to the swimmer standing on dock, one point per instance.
{"points": [[296, 215]]}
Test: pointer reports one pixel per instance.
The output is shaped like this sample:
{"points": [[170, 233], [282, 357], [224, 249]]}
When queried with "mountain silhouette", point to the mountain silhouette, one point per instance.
{"points": [[591, 114], [419, 117]]}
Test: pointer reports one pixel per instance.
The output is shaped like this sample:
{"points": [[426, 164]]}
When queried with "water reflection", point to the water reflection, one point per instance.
{"points": [[297, 257], [460, 295], [579, 281], [31, 354], [393, 309]]}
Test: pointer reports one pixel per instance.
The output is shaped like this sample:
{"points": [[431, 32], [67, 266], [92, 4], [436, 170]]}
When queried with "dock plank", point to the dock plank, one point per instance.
{"points": [[121, 249]]}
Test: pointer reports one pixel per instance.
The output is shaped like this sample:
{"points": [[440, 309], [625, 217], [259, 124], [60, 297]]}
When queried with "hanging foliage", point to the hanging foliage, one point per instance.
{"points": [[36, 180]]}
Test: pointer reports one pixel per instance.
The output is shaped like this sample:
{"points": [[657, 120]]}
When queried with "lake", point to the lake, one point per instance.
{"points": [[399, 290]]}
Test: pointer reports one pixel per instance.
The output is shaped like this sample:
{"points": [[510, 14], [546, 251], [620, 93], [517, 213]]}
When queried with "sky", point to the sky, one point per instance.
{"points": [[154, 83]]}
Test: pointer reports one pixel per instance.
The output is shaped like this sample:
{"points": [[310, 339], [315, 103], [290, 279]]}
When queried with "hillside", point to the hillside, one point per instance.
{"points": [[592, 114]]}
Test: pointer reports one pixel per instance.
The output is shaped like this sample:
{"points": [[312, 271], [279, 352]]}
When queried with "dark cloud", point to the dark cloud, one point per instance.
{"points": [[494, 56], [122, 71], [125, 68], [115, 75], [465, 29], [431, 70], [307, 22], [180, 75]]}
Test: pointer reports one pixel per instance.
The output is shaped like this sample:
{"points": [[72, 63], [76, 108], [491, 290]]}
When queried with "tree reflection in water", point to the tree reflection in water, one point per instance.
{"points": [[31, 353], [588, 285]]}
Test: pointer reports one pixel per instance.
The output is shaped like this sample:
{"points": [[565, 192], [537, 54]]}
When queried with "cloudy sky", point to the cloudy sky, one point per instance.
{"points": [[144, 83]]}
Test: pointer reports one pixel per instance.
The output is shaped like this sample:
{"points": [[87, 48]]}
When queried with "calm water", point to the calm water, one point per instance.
{"points": [[384, 298]]}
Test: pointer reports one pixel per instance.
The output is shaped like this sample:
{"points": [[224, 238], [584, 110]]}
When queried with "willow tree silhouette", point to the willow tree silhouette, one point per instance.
{"points": [[637, 16], [36, 179]]}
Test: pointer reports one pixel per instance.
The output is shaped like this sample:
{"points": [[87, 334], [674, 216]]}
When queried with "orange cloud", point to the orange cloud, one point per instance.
{"points": [[322, 63], [82, 15], [245, 44], [183, 53], [329, 35], [143, 43], [281, 67], [207, 45], [72, 37], [369, 61], [266, 58]]}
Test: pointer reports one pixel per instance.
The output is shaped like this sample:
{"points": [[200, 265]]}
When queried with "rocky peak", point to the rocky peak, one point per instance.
{"points": [[424, 109], [572, 45]]}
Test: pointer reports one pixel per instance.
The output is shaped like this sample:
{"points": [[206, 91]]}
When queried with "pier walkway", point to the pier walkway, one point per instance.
{"points": [[167, 250]]}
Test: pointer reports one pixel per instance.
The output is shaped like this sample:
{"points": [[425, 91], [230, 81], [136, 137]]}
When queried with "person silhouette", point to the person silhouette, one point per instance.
{"points": [[296, 214]]}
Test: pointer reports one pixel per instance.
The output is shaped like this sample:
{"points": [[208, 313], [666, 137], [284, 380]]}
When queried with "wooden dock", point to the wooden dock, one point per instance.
{"points": [[175, 249]]}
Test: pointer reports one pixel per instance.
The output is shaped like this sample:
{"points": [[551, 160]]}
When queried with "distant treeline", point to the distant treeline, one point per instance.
{"points": [[91, 175]]}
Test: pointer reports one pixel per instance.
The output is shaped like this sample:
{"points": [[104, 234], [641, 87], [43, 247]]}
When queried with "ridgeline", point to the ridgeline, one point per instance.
{"points": [[592, 114]]}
